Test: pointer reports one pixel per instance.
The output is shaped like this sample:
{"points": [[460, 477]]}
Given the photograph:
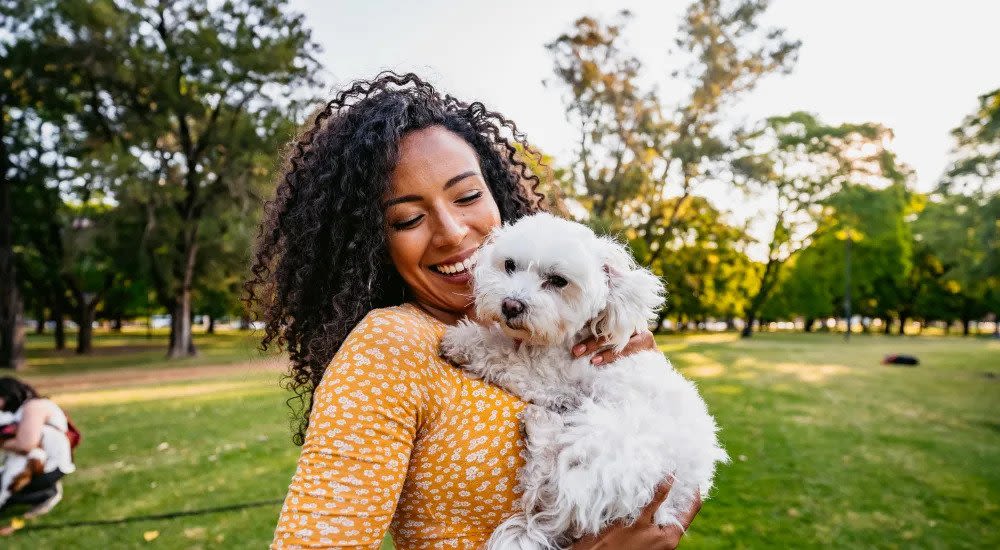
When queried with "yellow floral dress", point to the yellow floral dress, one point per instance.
{"points": [[400, 440]]}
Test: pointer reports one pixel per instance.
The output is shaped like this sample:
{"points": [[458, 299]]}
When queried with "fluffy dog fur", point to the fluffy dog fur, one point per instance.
{"points": [[598, 439]]}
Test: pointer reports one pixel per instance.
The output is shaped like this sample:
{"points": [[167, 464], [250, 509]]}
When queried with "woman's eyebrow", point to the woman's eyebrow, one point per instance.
{"points": [[412, 198]]}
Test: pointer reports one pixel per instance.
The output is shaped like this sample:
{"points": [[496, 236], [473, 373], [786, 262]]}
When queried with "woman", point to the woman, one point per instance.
{"points": [[40, 451], [361, 264]]}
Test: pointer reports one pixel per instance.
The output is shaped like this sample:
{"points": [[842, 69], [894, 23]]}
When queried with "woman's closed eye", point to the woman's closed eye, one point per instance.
{"points": [[469, 197], [408, 223]]}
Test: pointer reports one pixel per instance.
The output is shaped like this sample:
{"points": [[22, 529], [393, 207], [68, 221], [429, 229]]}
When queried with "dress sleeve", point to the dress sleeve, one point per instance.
{"points": [[366, 413]]}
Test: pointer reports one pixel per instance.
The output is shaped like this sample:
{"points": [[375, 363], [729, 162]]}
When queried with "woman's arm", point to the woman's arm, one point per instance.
{"points": [[29, 430], [356, 451]]}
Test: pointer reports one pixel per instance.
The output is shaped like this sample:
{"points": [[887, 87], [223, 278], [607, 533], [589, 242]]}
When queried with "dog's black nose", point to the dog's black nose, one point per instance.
{"points": [[511, 308]]}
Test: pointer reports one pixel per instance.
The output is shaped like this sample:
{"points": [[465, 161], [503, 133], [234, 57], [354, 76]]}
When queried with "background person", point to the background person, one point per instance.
{"points": [[41, 436]]}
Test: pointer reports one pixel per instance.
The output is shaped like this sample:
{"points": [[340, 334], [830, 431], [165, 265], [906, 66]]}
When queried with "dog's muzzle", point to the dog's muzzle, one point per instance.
{"points": [[512, 308]]}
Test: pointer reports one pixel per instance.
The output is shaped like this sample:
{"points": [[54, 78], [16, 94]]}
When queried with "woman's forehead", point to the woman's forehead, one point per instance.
{"points": [[430, 157]]}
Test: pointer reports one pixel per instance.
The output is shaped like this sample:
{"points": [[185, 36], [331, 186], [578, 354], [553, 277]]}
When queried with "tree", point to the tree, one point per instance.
{"points": [[960, 234], [708, 269], [36, 93], [975, 174], [799, 162], [976, 165], [631, 147], [192, 101]]}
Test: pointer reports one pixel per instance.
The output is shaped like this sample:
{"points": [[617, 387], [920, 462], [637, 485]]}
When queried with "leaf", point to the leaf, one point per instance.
{"points": [[17, 523], [150, 536]]}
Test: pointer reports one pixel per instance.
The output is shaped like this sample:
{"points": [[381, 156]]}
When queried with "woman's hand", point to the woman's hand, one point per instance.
{"points": [[643, 534], [640, 341]]}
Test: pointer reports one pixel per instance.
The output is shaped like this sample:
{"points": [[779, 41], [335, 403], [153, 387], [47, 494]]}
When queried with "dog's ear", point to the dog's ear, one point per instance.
{"points": [[634, 296]]}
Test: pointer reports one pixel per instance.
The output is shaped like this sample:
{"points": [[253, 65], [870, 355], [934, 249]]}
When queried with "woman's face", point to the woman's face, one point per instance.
{"points": [[438, 212]]}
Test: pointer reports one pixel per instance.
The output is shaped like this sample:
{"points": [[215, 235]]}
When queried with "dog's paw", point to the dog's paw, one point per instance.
{"points": [[459, 341]]}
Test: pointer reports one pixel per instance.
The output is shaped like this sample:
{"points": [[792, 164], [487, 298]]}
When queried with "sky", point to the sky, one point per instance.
{"points": [[916, 67]]}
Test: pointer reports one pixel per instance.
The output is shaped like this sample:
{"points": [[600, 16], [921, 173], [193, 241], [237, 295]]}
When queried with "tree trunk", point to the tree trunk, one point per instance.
{"points": [[181, 340], [887, 329], [60, 329], [211, 325], [244, 322], [902, 325], [965, 326], [748, 327], [11, 332], [85, 337], [40, 320], [807, 325], [116, 323]]}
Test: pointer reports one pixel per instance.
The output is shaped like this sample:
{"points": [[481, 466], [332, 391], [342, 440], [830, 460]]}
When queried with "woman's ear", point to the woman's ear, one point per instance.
{"points": [[635, 296]]}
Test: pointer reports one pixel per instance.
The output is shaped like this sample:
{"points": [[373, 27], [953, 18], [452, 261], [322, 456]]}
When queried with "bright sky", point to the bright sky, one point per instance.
{"points": [[916, 67]]}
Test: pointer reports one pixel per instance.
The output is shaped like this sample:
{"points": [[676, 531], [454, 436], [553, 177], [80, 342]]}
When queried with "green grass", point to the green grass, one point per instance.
{"points": [[137, 349], [828, 446]]}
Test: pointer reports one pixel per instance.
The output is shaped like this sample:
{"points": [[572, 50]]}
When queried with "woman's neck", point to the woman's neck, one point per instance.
{"points": [[445, 316]]}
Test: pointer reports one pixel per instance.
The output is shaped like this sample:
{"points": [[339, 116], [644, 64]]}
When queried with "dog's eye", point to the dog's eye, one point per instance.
{"points": [[556, 281], [510, 266]]}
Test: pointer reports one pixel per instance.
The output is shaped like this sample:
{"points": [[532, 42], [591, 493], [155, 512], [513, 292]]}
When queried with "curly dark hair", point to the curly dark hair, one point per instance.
{"points": [[321, 261]]}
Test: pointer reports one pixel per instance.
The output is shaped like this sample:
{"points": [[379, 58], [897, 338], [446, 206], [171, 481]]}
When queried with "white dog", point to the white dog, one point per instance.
{"points": [[598, 439]]}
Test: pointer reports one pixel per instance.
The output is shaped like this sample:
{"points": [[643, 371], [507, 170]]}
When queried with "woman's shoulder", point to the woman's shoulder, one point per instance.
{"points": [[404, 321], [396, 333]]}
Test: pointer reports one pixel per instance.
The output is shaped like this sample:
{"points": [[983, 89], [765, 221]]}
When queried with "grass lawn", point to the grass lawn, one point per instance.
{"points": [[137, 348], [828, 447]]}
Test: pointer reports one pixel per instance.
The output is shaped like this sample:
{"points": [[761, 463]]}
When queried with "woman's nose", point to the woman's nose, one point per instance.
{"points": [[451, 229]]}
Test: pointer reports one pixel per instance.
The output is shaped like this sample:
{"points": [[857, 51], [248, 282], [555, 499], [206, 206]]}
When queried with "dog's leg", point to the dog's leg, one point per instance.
{"points": [[542, 521], [513, 534]]}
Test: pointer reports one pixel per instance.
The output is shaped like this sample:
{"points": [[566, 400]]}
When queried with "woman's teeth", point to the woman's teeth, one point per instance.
{"points": [[452, 269]]}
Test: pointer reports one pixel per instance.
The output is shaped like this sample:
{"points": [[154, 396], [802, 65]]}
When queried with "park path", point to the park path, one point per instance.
{"points": [[130, 376]]}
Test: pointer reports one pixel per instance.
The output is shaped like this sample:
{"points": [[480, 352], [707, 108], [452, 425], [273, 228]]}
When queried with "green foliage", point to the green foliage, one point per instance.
{"points": [[174, 111], [977, 149], [823, 181], [635, 153], [957, 238]]}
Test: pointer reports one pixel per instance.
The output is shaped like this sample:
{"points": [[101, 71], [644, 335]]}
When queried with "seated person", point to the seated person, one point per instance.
{"points": [[38, 455]]}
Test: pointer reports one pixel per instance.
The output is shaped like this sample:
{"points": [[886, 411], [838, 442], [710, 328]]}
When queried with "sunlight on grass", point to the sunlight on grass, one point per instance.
{"points": [[149, 393], [814, 374]]}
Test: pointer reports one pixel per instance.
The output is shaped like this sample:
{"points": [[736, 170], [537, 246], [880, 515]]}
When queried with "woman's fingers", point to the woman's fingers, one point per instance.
{"points": [[588, 346], [688, 516], [640, 341], [659, 496]]}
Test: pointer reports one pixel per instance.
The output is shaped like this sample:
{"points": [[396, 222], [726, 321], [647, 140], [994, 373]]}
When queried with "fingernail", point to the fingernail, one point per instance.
{"points": [[597, 360], [578, 350]]}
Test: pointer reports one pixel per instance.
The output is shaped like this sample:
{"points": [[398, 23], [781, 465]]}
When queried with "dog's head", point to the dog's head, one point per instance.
{"points": [[544, 279]]}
